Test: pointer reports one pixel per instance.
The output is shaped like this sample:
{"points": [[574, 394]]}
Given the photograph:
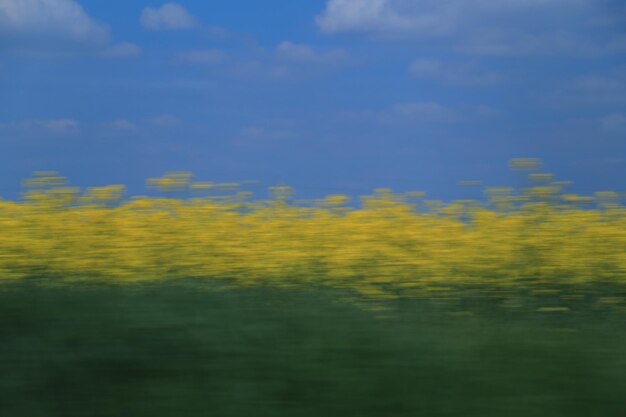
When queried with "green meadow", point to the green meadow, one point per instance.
{"points": [[187, 348]]}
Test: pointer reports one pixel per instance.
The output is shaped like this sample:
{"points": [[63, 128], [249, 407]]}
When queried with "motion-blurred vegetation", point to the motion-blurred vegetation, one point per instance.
{"points": [[512, 305], [190, 349], [392, 243]]}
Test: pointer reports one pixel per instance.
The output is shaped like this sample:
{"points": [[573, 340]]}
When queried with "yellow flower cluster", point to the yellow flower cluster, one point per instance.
{"points": [[393, 242]]}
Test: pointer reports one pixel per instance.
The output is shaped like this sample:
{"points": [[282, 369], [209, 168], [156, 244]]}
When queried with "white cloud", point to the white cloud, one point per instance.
{"points": [[607, 88], [165, 120], [200, 57], [122, 50], [287, 60], [422, 113], [615, 122], [602, 88], [303, 53], [170, 16], [57, 127], [217, 32], [56, 27], [261, 69], [122, 125], [453, 74], [59, 124], [518, 42], [34, 21], [432, 17], [425, 67], [488, 27], [381, 16]]}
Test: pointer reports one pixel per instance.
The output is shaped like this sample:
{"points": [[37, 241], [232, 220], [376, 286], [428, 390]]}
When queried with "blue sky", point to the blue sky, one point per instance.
{"points": [[329, 96]]}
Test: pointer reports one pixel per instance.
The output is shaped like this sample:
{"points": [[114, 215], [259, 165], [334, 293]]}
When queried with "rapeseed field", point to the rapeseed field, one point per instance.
{"points": [[534, 237]]}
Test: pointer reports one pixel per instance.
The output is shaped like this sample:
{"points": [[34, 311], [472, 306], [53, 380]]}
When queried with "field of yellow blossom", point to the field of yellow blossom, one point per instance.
{"points": [[535, 237]]}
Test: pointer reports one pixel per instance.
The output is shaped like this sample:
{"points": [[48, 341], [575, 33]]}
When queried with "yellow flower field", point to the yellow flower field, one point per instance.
{"points": [[392, 242]]}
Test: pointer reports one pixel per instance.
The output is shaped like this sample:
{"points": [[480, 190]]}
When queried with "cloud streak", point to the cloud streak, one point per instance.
{"points": [[56, 127], [122, 125], [378, 16], [598, 89], [122, 51], [170, 16], [430, 69], [165, 120], [482, 27], [615, 122], [304, 53], [200, 57], [36, 21]]}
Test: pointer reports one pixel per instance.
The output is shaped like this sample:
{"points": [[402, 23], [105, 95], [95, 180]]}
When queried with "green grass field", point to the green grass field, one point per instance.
{"points": [[188, 350]]}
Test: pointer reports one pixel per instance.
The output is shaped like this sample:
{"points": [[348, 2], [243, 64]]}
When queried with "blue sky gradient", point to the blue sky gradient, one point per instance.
{"points": [[329, 96]]}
